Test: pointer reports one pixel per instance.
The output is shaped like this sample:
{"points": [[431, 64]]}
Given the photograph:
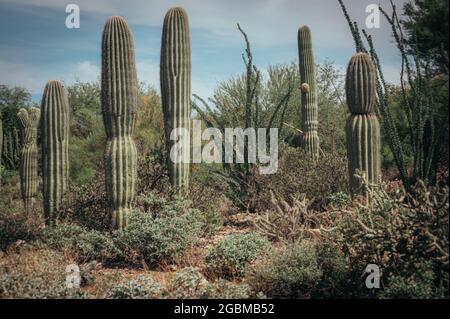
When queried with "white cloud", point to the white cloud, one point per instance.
{"points": [[86, 71]]}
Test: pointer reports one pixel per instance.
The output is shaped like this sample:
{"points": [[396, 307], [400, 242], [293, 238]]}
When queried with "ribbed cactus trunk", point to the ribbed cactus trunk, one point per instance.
{"points": [[119, 100], [55, 147], [175, 75], [309, 107], [29, 121], [363, 128]]}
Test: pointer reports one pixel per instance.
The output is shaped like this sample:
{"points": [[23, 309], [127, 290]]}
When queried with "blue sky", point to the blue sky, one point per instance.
{"points": [[35, 45]]}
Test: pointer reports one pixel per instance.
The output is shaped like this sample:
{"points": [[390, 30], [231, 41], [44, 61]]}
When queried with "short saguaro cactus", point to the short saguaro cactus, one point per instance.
{"points": [[363, 128], [29, 121]]}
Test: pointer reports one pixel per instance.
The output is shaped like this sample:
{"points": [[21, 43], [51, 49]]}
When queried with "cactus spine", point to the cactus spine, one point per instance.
{"points": [[55, 146], [363, 128], [29, 121], [175, 74], [309, 108], [119, 100]]}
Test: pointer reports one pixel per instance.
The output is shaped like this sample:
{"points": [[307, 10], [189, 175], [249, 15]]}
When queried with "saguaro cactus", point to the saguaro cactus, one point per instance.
{"points": [[309, 108], [55, 146], [119, 100], [29, 121], [175, 75], [363, 128]]}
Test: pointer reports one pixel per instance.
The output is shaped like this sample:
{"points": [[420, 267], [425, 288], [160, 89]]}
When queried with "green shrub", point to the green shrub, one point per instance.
{"points": [[338, 199], [230, 257], [137, 288], [223, 289], [290, 272], [188, 283], [419, 285], [85, 244], [332, 263], [165, 236]]}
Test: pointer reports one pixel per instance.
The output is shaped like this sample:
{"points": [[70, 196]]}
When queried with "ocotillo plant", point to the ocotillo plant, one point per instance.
{"points": [[175, 75], [29, 121], [54, 145], [363, 129], [309, 107], [119, 100]]}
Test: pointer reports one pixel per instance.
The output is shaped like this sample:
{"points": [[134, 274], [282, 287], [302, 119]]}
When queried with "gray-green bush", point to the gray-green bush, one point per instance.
{"points": [[230, 257]]}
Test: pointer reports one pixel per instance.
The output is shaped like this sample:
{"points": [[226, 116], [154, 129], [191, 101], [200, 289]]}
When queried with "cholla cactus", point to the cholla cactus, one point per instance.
{"points": [[363, 128], [29, 121], [55, 147], [119, 100], [175, 74], [309, 107]]}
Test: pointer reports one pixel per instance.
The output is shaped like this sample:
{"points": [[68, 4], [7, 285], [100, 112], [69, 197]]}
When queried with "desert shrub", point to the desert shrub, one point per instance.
{"points": [[35, 273], [230, 257], [87, 205], [290, 272], [332, 263], [212, 220], [83, 243], [319, 179], [17, 226], [163, 235], [338, 199], [396, 231], [223, 289], [286, 222], [137, 288], [187, 283], [419, 285]]}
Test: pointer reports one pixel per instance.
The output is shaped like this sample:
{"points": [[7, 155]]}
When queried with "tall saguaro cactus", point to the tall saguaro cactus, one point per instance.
{"points": [[29, 121], [119, 100], [55, 147], [363, 128], [175, 75], [309, 107]]}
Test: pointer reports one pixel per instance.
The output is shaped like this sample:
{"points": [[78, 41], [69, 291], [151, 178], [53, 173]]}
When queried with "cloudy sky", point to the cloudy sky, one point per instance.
{"points": [[36, 46]]}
